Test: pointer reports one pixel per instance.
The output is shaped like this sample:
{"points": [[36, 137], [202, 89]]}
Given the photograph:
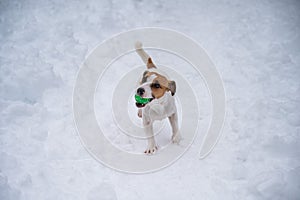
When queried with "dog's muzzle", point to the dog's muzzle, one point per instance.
{"points": [[143, 95], [140, 91]]}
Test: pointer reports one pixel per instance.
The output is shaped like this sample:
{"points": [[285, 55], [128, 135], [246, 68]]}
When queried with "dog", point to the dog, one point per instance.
{"points": [[155, 100]]}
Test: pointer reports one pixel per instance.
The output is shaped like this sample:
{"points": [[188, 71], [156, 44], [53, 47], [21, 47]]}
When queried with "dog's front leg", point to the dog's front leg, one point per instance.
{"points": [[173, 119], [148, 128], [151, 141]]}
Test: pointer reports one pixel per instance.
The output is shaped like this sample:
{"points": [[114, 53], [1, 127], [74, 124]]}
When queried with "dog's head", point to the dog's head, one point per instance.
{"points": [[153, 86]]}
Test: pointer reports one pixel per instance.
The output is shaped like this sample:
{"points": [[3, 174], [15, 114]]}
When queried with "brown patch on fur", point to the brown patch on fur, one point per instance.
{"points": [[163, 82], [145, 76], [150, 64], [172, 87]]}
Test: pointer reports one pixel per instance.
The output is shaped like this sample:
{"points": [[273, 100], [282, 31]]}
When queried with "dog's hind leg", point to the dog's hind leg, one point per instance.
{"points": [[173, 119]]}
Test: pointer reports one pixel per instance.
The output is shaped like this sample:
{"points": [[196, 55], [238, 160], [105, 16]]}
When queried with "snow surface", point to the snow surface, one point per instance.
{"points": [[255, 46]]}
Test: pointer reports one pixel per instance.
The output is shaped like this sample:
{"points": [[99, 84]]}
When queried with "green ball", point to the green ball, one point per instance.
{"points": [[142, 100]]}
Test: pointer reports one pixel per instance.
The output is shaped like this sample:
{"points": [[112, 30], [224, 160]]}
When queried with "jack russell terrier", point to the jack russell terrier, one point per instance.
{"points": [[155, 100]]}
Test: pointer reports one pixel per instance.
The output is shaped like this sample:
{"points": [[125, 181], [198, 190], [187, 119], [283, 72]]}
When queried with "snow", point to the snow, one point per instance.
{"points": [[255, 46]]}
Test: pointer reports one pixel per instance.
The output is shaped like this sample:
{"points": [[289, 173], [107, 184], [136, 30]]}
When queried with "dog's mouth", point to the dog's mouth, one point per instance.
{"points": [[141, 102], [140, 105]]}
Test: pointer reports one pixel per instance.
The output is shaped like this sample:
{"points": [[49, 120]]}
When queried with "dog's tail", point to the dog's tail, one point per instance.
{"points": [[145, 57]]}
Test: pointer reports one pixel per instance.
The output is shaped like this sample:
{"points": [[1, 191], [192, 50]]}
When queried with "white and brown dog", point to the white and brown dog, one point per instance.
{"points": [[156, 93]]}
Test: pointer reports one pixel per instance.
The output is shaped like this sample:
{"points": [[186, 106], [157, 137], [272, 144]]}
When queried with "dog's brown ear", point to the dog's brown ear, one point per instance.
{"points": [[172, 87], [144, 78], [150, 63]]}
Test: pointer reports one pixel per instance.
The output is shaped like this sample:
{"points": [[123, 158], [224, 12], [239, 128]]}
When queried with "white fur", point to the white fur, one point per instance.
{"points": [[157, 109], [141, 52]]}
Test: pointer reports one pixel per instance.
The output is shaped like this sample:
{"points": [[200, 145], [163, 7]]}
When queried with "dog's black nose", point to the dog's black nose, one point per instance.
{"points": [[140, 91]]}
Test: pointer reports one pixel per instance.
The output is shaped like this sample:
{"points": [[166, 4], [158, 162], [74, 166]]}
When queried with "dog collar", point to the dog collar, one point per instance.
{"points": [[141, 102]]}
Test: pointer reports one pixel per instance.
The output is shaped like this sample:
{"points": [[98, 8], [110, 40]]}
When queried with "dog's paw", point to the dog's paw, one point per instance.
{"points": [[151, 150], [140, 113], [176, 138]]}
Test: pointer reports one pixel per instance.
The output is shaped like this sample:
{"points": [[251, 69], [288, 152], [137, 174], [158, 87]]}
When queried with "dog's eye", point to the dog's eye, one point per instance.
{"points": [[155, 85]]}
